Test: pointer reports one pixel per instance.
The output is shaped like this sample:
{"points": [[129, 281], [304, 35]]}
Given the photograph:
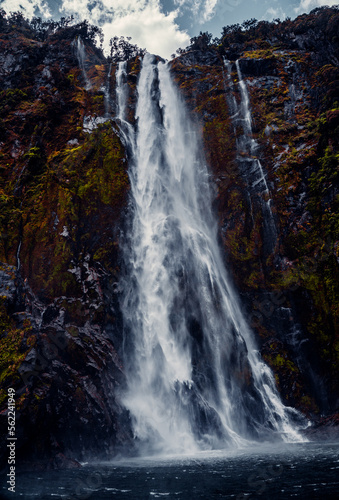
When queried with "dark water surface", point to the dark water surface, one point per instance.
{"points": [[307, 470]]}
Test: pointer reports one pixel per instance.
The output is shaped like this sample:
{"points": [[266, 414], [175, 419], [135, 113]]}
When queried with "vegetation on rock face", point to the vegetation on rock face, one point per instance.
{"points": [[122, 49], [63, 190], [60, 182], [79, 195], [291, 72], [15, 344]]}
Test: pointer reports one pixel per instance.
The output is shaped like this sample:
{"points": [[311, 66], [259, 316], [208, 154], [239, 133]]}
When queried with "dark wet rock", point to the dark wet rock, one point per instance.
{"points": [[8, 287], [324, 429], [201, 57], [258, 67], [290, 71], [68, 385]]}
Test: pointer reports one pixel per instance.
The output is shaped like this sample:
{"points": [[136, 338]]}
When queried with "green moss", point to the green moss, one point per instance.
{"points": [[281, 364], [15, 344], [260, 53], [33, 153], [11, 98], [10, 220], [70, 191]]}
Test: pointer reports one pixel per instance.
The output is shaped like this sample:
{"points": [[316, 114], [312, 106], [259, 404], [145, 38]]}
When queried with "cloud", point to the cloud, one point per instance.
{"points": [[209, 9], [307, 5], [96, 10], [274, 13], [201, 10], [143, 20], [149, 28], [30, 8]]}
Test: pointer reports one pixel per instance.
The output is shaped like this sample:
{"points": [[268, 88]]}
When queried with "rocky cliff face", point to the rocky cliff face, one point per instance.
{"points": [[64, 195], [280, 233]]}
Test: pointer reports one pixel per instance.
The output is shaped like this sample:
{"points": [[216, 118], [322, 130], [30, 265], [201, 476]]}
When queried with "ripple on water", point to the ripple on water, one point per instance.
{"points": [[309, 470]]}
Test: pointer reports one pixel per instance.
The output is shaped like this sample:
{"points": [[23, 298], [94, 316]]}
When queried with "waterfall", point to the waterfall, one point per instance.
{"points": [[81, 53], [107, 93], [245, 109], [18, 263], [127, 134], [121, 89], [250, 166], [246, 144], [194, 376]]}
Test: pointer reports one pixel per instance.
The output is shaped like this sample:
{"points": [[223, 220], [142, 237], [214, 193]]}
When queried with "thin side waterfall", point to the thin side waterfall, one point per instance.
{"points": [[81, 53], [234, 108], [121, 80], [126, 129], [194, 377], [245, 110], [246, 143], [107, 93], [247, 148], [18, 262]]}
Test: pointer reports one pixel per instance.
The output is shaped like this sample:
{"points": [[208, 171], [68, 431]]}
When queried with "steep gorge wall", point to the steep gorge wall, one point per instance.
{"points": [[290, 293], [63, 196]]}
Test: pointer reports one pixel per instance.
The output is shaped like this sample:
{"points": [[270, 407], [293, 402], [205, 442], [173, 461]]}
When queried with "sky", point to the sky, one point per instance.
{"points": [[162, 26]]}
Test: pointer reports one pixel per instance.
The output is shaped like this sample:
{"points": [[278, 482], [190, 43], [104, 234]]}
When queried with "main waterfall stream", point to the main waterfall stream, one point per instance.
{"points": [[195, 380]]}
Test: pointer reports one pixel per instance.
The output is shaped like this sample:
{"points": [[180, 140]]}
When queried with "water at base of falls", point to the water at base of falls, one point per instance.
{"points": [[194, 377], [300, 470]]}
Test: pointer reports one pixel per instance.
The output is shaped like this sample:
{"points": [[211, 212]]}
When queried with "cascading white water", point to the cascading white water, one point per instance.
{"points": [[18, 262], [107, 92], [121, 90], [81, 53], [194, 376], [247, 147], [247, 144], [245, 108], [126, 129]]}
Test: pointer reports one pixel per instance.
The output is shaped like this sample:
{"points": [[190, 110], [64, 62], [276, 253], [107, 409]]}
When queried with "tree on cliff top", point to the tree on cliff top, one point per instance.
{"points": [[121, 49]]}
